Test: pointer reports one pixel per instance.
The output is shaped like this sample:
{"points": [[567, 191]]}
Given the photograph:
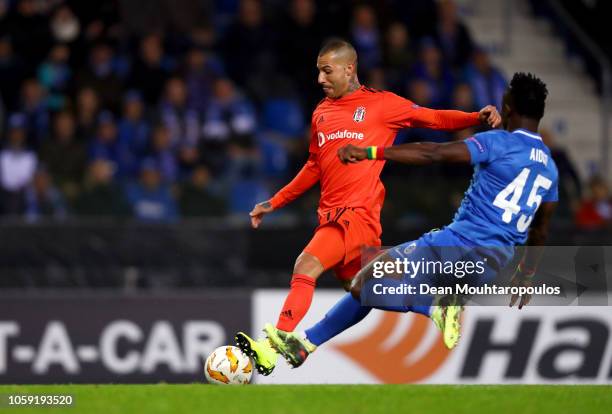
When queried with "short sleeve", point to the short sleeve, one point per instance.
{"points": [[482, 147]]}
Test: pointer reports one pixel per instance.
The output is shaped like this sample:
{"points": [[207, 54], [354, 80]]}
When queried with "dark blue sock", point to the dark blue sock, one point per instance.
{"points": [[346, 313]]}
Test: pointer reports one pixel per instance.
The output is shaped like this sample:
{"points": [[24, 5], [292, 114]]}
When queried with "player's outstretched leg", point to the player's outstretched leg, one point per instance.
{"points": [[447, 317], [295, 347], [444, 311], [260, 351], [307, 269]]}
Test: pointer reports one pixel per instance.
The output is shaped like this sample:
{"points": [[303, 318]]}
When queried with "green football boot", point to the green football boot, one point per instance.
{"points": [[448, 319], [263, 355], [294, 347]]}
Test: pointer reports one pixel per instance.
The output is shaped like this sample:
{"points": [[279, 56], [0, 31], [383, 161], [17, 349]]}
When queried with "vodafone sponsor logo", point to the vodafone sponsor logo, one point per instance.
{"points": [[342, 134]]}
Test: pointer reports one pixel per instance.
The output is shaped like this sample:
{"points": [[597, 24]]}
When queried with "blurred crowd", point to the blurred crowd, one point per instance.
{"points": [[163, 109]]}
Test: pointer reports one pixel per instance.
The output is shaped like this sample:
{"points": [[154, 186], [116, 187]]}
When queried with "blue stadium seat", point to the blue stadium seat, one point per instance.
{"points": [[245, 194], [274, 156], [283, 116]]}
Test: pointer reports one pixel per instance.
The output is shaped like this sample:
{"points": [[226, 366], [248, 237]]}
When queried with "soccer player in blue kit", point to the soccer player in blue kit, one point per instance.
{"points": [[510, 200]]}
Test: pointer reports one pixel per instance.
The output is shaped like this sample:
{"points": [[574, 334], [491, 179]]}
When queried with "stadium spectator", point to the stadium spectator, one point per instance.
{"points": [[230, 119], [64, 154], [100, 197], [463, 98], [105, 145], [2, 114], [65, 25], [302, 34], [101, 75], [43, 199], [234, 111], [54, 74], [486, 80], [34, 108], [452, 35], [398, 56], [152, 69], [570, 187], [377, 79], [134, 130], [150, 199], [246, 188], [420, 17], [182, 121], [366, 38], [12, 70], [99, 20], [420, 92], [431, 69], [162, 152], [164, 15], [203, 36], [29, 32], [17, 166], [249, 39], [87, 109], [595, 211], [201, 70], [198, 198]]}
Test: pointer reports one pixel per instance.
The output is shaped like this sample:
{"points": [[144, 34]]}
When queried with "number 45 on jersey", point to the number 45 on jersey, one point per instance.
{"points": [[509, 197]]}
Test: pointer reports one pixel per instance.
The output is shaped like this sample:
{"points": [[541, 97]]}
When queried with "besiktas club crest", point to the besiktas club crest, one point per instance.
{"points": [[359, 114]]}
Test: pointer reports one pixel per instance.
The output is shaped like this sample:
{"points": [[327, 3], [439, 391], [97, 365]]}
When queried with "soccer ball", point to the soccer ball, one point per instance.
{"points": [[228, 365]]}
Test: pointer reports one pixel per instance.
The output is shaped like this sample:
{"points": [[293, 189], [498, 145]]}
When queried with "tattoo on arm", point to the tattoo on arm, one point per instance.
{"points": [[266, 204]]}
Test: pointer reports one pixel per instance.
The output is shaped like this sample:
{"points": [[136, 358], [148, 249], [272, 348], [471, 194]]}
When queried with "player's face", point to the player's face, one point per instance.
{"points": [[334, 75]]}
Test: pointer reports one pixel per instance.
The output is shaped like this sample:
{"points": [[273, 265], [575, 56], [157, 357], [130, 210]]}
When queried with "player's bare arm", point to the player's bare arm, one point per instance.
{"points": [[538, 232], [259, 211], [419, 153]]}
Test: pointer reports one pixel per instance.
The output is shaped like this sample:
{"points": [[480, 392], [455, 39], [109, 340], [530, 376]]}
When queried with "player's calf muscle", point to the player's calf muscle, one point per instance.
{"points": [[309, 265]]}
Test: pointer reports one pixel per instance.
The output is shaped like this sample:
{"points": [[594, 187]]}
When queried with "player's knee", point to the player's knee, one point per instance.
{"points": [[346, 285], [359, 280], [356, 291], [307, 264], [356, 286]]}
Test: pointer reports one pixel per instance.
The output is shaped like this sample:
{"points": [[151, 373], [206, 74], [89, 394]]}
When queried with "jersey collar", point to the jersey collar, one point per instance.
{"points": [[527, 133], [356, 92]]}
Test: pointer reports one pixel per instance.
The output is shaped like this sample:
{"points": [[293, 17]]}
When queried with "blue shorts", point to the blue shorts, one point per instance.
{"points": [[437, 259]]}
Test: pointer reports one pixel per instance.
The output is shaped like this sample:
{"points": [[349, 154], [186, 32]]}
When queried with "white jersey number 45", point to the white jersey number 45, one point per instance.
{"points": [[508, 198]]}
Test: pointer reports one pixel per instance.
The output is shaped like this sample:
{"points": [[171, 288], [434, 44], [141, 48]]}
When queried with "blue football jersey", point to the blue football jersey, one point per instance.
{"points": [[513, 173]]}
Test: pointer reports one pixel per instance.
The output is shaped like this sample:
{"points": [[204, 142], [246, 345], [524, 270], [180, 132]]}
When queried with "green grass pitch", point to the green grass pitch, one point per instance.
{"points": [[315, 399]]}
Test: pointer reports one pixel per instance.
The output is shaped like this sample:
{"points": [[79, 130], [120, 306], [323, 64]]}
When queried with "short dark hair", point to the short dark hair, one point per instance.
{"points": [[335, 43], [528, 94]]}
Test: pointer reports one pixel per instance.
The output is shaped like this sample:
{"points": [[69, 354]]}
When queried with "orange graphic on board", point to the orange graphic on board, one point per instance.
{"points": [[391, 364]]}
